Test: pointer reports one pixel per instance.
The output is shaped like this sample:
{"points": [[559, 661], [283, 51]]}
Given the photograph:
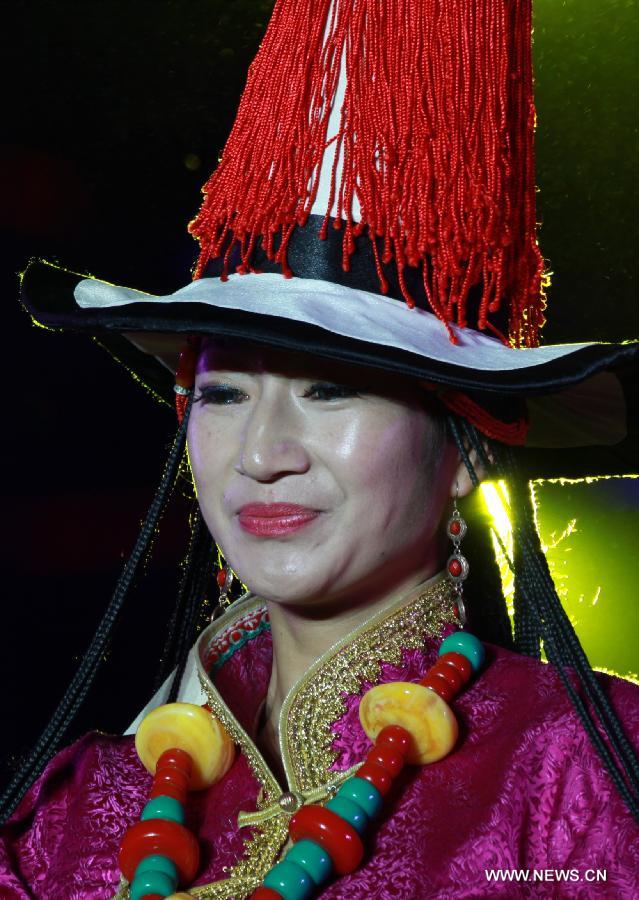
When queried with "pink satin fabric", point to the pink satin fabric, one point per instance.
{"points": [[523, 790]]}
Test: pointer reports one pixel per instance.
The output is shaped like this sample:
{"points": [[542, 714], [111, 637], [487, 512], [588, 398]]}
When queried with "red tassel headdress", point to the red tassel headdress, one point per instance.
{"points": [[381, 147], [431, 150]]}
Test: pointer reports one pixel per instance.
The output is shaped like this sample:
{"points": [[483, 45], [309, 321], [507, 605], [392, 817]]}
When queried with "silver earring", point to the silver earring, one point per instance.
{"points": [[457, 566], [225, 579]]}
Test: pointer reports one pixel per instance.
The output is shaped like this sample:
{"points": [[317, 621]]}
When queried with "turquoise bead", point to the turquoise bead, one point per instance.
{"points": [[152, 883], [467, 644], [157, 863], [164, 808], [363, 793], [292, 882], [350, 811], [312, 858]]}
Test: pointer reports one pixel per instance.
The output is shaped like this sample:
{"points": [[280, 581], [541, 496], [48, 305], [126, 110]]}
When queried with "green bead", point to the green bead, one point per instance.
{"points": [[363, 793], [467, 644], [290, 880], [350, 811], [152, 883], [164, 808], [157, 863], [312, 858]]}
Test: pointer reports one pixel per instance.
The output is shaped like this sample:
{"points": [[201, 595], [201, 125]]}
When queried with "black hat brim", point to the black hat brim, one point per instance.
{"points": [[48, 294]]}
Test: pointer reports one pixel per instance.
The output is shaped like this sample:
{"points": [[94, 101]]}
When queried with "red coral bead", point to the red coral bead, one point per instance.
{"points": [[337, 837], [173, 776], [455, 568], [438, 683], [457, 661], [449, 674], [175, 759], [377, 776], [396, 737], [167, 789], [264, 893], [455, 526], [388, 758], [165, 838]]}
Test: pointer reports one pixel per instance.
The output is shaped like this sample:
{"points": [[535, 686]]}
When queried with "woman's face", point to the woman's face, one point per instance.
{"points": [[317, 480]]}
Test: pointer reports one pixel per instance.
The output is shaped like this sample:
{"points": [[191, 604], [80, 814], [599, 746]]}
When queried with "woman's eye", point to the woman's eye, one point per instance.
{"points": [[327, 391], [220, 395]]}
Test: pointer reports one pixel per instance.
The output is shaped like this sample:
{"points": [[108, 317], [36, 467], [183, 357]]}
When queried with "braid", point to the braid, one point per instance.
{"points": [[78, 689], [527, 637], [528, 627], [197, 575], [539, 615], [477, 444], [196, 558], [455, 427], [568, 650]]}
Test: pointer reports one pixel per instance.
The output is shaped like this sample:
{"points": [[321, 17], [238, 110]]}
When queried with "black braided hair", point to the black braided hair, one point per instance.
{"points": [[78, 689], [189, 606], [196, 582], [540, 617]]}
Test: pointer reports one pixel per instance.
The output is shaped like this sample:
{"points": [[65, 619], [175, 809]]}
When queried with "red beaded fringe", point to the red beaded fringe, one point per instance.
{"points": [[439, 95], [513, 433]]}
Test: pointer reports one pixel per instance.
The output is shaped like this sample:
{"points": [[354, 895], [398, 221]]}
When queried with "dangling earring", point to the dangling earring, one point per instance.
{"points": [[457, 566], [225, 579]]}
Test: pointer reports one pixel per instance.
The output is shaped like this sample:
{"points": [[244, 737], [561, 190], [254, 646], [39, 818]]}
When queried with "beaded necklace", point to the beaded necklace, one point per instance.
{"points": [[186, 748]]}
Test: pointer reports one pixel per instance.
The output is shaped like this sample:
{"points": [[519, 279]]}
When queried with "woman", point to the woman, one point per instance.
{"points": [[289, 496], [331, 431], [328, 498]]}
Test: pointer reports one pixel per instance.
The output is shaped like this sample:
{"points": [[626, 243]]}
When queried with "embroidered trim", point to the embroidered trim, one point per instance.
{"points": [[222, 648], [317, 701], [263, 844], [309, 711]]}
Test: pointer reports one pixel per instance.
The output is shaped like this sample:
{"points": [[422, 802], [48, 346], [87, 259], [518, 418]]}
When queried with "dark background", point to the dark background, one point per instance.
{"points": [[113, 116]]}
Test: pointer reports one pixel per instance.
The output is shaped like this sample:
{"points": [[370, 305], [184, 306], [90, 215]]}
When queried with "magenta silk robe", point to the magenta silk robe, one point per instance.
{"points": [[523, 789]]}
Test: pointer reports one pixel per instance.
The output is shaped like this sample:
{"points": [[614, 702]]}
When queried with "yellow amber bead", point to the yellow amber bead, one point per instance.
{"points": [[429, 720], [193, 729], [181, 896]]}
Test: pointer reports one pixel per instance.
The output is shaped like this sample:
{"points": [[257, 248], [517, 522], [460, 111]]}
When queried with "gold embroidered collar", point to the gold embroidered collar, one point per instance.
{"points": [[308, 713]]}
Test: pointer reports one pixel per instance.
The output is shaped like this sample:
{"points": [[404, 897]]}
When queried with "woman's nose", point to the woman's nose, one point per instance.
{"points": [[273, 439]]}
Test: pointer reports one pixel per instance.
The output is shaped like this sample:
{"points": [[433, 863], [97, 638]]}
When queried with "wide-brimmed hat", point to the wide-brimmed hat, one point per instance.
{"points": [[375, 203], [385, 219]]}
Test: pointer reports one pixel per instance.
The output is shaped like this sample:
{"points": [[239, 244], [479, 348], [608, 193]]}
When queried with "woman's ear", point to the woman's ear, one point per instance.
{"points": [[462, 484]]}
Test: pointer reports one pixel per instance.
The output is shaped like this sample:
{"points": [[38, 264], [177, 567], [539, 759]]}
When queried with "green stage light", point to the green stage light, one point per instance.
{"points": [[588, 529]]}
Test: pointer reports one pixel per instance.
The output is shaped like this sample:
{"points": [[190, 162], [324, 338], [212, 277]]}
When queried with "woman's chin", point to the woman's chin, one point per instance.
{"points": [[281, 588], [284, 574]]}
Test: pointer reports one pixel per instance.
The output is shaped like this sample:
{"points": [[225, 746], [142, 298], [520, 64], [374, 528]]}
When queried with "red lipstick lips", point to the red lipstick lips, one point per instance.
{"points": [[274, 519]]}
